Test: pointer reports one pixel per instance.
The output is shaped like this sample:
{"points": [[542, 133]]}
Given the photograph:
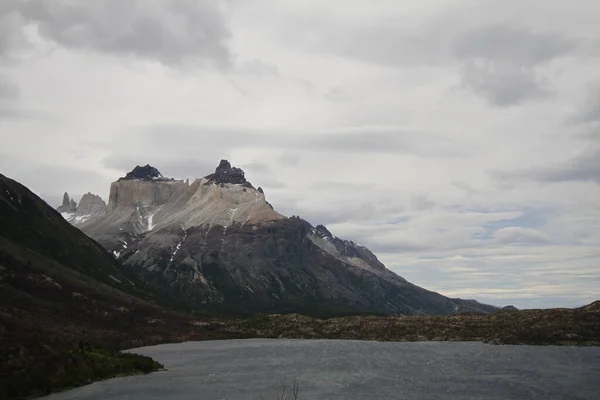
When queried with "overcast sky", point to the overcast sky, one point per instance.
{"points": [[459, 140]]}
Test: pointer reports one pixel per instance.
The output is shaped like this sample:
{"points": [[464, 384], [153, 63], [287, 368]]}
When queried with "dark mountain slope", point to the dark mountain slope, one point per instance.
{"points": [[27, 220], [65, 305]]}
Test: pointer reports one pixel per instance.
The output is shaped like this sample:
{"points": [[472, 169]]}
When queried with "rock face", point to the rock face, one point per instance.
{"points": [[225, 173], [217, 244], [90, 204], [68, 205], [130, 192], [145, 173]]}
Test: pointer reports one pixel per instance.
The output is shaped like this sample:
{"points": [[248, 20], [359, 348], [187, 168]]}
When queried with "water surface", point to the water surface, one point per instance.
{"points": [[343, 369]]}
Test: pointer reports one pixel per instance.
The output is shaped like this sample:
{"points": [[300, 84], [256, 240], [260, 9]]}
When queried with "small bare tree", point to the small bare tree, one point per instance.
{"points": [[288, 392]]}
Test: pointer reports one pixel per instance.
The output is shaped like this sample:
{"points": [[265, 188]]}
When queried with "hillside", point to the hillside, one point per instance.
{"points": [[66, 306]]}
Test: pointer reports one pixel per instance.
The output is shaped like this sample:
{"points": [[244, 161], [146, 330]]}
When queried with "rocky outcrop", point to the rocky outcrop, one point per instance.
{"points": [[145, 173], [216, 243], [225, 173], [68, 205]]}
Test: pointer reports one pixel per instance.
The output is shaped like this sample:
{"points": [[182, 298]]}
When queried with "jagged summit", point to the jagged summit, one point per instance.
{"points": [[323, 232], [225, 173], [68, 205], [90, 204], [145, 173]]}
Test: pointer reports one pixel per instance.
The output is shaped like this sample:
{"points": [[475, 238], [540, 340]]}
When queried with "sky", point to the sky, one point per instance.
{"points": [[458, 140]]}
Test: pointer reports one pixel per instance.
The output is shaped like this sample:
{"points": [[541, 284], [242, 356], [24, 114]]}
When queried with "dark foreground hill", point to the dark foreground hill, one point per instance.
{"points": [[66, 307]]}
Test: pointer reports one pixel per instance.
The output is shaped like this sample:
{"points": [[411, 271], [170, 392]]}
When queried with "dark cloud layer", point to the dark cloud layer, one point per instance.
{"points": [[172, 32]]}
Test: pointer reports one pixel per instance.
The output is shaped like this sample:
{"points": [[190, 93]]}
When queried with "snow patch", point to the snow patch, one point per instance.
{"points": [[151, 223], [114, 279], [67, 216], [116, 253], [81, 218], [177, 248]]}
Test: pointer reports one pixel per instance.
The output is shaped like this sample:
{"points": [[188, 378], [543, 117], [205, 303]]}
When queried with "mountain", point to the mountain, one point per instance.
{"points": [[66, 305], [217, 244], [68, 205]]}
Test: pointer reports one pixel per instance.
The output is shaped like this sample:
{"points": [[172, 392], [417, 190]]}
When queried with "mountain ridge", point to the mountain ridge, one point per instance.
{"points": [[217, 243]]}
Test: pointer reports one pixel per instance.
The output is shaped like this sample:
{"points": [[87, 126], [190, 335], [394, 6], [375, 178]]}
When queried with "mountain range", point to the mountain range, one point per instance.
{"points": [[217, 244]]}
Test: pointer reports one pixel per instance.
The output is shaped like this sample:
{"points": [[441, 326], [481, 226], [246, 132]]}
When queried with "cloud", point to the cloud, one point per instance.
{"points": [[259, 68], [590, 109], [499, 58], [514, 44], [585, 167], [170, 167], [361, 139], [503, 84], [12, 37], [173, 32], [521, 236], [498, 62], [289, 160], [8, 90], [421, 203], [256, 167], [336, 94]]}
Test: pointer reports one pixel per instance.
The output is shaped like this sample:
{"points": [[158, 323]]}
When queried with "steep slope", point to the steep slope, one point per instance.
{"points": [[218, 244], [66, 305]]}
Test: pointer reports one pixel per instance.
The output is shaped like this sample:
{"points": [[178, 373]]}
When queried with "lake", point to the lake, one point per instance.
{"points": [[345, 369]]}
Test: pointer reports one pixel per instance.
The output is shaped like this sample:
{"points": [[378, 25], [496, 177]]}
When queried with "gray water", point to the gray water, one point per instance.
{"points": [[342, 369]]}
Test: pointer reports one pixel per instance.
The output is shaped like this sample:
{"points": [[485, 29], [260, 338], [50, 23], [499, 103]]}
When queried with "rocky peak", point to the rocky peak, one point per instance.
{"points": [[90, 204], [145, 173], [68, 205], [323, 232], [225, 173]]}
